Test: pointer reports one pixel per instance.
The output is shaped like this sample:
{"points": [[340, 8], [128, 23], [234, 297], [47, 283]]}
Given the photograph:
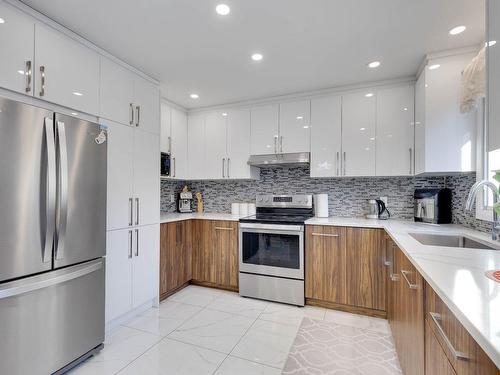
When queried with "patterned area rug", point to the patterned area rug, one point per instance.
{"points": [[330, 348]]}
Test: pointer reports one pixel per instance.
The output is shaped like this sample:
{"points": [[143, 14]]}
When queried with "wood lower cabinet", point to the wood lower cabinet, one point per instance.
{"points": [[407, 314], [462, 352], [345, 268], [215, 253], [436, 362], [325, 261], [175, 256]]}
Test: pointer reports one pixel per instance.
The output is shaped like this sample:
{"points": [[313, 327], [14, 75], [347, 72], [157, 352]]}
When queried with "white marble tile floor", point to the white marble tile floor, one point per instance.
{"points": [[206, 331]]}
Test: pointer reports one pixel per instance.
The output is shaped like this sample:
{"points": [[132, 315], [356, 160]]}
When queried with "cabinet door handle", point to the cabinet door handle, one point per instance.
{"points": [[28, 74], [130, 244], [42, 77], [137, 211], [169, 145], [281, 144], [138, 110], [228, 167], [223, 228], [137, 242], [131, 122], [223, 167], [275, 144], [344, 163], [174, 163], [411, 154], [437, 321], [405, 273], [325, 235], [131, 211], [338, 157]]}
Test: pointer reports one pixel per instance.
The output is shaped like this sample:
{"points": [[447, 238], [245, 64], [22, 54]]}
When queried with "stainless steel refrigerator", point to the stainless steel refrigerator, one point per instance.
{"points": [[52, 239]]}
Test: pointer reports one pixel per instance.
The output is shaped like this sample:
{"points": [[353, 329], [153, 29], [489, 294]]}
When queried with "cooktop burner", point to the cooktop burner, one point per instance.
{"points": [[281, 209]]}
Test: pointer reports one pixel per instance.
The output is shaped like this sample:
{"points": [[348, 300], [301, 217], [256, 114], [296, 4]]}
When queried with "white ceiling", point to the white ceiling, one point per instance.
{"points": [[307, 44]]}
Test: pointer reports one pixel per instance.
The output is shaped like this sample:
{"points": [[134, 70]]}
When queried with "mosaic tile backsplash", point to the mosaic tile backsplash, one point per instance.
{"points": [[346, 196]]}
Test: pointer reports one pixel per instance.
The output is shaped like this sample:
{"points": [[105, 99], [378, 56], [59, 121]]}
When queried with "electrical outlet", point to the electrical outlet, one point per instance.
{"points": [[384, 199], [172, 198]]}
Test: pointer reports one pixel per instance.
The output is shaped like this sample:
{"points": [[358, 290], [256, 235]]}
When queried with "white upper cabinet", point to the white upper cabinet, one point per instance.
{"points": [[116, 92], [147, 105], [493, 69], [16, 43], [326, 133], [395, 131], [66, 72], [358, 133], [238, 145], [440, 125], [128, 98], [264, 130], [196, 146], [146, 178], [179, 141], [120, 176], [215, 145], [294, 132], [165, 128]]}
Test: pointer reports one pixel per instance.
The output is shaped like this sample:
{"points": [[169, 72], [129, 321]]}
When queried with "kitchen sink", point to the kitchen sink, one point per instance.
{"points": [[451, 241]]}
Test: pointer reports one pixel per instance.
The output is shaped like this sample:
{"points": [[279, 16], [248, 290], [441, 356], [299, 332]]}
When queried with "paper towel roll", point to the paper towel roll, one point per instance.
{"points": [[321, 205], [244, 209]]}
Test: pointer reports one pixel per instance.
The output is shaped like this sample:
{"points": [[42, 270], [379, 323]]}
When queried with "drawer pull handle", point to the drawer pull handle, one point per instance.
{"points": [[222, 228], [437, 321], [412, 286], [325, 235]]}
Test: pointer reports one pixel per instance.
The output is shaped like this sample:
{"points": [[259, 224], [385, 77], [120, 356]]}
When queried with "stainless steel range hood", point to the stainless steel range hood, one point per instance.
{"points": [[276, 160]]}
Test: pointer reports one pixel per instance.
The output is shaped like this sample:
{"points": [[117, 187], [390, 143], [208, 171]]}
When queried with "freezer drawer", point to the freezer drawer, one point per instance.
{"points": [[50, 320]]}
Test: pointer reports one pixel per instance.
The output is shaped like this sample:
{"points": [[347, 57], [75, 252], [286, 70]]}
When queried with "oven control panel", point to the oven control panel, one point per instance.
{"points": [[285, 201]]}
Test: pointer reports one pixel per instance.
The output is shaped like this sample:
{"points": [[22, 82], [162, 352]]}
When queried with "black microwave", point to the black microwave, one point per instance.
{"points": [[165, 164]]}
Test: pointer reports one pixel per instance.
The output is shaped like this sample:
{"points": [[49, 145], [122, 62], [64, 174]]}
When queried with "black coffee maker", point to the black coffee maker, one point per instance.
{"points": [[433, 206]]}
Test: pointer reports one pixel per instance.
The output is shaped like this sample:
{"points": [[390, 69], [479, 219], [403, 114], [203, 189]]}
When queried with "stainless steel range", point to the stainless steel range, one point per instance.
{"points": [[271, 248]]}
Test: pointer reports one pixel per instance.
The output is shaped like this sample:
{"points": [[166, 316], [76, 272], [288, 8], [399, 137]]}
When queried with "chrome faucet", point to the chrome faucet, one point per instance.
{"points": [[495, 230]]}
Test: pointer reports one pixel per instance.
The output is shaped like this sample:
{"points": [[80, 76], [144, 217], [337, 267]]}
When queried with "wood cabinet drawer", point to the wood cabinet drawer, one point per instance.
{"points": [[462, 351], [436, 362]]}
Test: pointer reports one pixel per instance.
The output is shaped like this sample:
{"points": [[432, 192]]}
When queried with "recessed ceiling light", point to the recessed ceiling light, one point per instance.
{"points": [[374, 64], [300, 117], [457, 30], [405, 109], [74, 113], [257, 57], [491, 43], [77, 93], [362, 129], [369, 95], [2, 20], [194, 96], [224, 114], [222, 9], [434, 67]]}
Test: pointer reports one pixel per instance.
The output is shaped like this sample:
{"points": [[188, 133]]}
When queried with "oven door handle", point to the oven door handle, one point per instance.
{"points": [[270, 228]]}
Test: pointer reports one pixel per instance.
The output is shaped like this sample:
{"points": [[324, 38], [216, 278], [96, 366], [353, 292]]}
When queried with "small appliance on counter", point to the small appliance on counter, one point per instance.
{"points": [[321, 205], [377, 210], [433, 206], [165, 165], [185, 199], [199, 207]]}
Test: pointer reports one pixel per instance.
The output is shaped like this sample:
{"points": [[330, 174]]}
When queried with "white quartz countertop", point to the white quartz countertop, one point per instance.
{"points": [[168, 217], [456, 274]]}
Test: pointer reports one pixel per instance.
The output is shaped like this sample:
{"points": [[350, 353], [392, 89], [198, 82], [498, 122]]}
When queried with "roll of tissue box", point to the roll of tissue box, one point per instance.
{"points": [[321, 205]]}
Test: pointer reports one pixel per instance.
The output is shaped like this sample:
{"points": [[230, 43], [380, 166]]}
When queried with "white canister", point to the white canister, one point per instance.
{"points": [[252, 210], [321, 205], [235, 209], [243, 209]]}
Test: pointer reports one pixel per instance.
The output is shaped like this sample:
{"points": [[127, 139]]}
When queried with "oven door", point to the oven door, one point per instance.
{"points": [[271, 249]]}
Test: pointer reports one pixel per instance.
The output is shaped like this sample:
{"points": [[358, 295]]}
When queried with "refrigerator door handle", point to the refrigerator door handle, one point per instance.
{"points": [[31, 284], [51, 191], [62, 189]]}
